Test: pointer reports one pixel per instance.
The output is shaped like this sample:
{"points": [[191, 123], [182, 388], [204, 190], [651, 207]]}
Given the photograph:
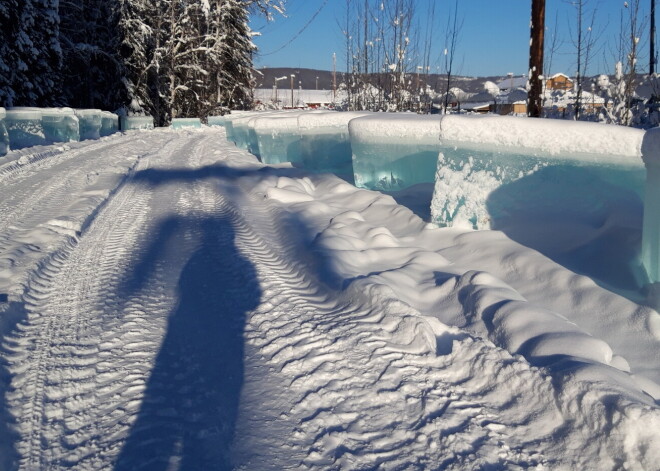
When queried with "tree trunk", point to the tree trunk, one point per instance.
{"points": [[537, 28]]}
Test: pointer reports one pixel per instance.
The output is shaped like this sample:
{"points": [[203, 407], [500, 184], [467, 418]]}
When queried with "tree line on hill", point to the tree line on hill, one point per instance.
{"points": [[167, 58]]}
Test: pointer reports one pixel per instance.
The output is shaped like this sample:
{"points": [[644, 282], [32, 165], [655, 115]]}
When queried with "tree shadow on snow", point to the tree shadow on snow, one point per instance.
{"points": [[189, 408]]}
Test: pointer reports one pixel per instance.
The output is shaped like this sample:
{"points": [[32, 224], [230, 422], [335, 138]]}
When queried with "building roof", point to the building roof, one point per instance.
{"points": [[512, 82]]}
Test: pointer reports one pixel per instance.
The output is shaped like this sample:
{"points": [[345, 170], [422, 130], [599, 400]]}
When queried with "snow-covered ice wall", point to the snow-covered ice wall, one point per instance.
{"points": [[651, 230], [392, 151], [492, 168]]}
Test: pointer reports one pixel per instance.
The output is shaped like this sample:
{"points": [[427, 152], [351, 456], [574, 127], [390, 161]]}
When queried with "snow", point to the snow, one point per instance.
{"points": [[172, 301], [577, 140]]}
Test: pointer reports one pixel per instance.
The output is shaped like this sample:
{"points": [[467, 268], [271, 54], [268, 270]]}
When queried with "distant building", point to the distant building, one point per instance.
{"points": [[512, 83], [559, 82]]}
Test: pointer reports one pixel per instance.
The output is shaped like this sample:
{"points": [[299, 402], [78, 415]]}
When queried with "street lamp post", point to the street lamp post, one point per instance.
{"points": [[292, 77]]}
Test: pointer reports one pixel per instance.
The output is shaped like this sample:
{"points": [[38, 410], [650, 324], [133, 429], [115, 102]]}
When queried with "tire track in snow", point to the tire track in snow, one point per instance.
{"points": [[55, 357]]}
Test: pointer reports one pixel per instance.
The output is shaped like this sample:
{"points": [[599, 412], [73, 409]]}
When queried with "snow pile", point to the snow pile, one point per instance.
{"points": [[371, 245], [394, 151]]}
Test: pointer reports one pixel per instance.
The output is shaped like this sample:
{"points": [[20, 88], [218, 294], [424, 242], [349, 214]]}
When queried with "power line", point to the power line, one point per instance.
{"points": [[325, 2]]}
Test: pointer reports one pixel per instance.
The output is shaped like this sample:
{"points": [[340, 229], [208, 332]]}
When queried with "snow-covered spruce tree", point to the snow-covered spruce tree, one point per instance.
{"points": [[92, 69], [30, 55], [10, 14], [234, 67]]}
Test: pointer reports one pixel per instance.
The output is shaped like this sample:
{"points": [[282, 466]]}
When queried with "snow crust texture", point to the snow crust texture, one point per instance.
{"points": [[167, 301]]}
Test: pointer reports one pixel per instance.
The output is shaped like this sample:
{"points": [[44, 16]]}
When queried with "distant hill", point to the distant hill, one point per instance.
{"points": [[307, 78]]}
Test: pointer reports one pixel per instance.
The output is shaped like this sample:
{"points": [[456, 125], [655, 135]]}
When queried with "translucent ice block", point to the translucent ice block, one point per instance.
{"points": [[60, 124], [240, 131], [109, 123], [278, 138], [4, 137], [180, 123], [130, 123], [325, 144], [24, 127], [495, 170], [215, 120], [651, 230], [394, 151], [90, 123]]}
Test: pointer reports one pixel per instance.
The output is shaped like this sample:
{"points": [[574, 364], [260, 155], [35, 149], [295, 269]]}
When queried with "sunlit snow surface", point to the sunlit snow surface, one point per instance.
{"points": [[167, 301]]}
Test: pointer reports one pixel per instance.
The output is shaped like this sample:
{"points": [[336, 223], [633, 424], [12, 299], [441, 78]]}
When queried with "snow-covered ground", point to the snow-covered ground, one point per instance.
{"points": [[167, 302]]}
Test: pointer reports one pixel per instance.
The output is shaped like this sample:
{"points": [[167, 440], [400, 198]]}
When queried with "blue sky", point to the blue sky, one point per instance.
{"points": [[494, 38]]}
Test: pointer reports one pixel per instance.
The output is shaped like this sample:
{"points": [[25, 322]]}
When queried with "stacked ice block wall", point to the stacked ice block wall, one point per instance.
{"points": [[131, 123], [493, 170], [109, 123], [24, 127], [325, 143], [60, 125], [215, 120], [394, 151], [180, 123], [90, 123], [4, 137], [278, 138]]}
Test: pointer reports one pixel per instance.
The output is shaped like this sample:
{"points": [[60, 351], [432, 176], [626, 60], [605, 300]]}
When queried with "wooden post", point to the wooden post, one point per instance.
{"points": [[537, 28], [652, 41]]}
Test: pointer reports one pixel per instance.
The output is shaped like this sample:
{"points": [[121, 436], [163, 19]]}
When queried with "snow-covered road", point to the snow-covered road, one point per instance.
{"points": [[167, 302]]}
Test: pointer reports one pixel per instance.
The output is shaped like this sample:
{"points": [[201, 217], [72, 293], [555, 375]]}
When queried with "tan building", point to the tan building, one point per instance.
{"points": [[559, 82]]}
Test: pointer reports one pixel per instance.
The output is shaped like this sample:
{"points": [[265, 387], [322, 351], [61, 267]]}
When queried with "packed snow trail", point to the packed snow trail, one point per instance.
{"points": [[173, 304]]}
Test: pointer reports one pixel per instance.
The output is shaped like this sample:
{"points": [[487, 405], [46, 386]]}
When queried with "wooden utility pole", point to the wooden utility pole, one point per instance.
{"points": [[537, 28], [652, 41]]}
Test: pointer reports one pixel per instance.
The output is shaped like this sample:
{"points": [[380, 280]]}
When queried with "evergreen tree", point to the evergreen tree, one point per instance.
{"points": [[92, 69], [10, 14]]}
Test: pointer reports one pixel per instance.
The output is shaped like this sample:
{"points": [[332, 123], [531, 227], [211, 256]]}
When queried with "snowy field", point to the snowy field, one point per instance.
{"points": [[167, 302]]}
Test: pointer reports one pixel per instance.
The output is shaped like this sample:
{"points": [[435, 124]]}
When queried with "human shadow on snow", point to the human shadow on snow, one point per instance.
{"points": [[190, 405]]}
